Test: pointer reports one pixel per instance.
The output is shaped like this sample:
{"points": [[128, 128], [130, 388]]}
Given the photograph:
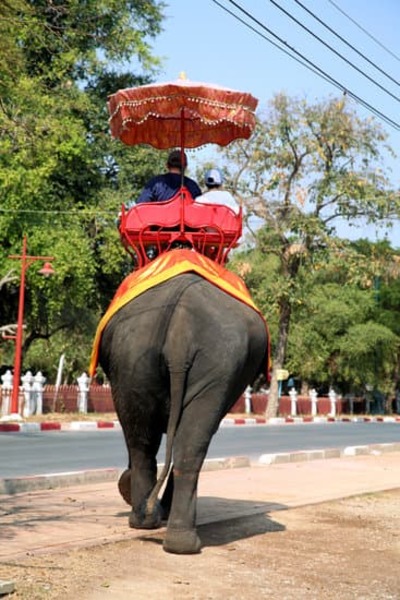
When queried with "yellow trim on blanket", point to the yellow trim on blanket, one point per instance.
{"points": [[165, 267]]}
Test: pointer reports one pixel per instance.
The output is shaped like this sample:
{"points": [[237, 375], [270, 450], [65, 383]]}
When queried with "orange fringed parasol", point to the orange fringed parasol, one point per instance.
{"points": [[181, 113]]}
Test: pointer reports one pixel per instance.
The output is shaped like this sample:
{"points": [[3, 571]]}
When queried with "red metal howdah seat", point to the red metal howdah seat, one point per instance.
{"points": [[152, 228]]}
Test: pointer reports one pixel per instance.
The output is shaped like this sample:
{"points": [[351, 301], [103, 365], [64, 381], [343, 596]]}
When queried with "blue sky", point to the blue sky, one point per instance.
{"points": [[210, 45]]}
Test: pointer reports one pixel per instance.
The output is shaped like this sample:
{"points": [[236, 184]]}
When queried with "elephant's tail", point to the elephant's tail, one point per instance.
{"points": [[178, 381]]}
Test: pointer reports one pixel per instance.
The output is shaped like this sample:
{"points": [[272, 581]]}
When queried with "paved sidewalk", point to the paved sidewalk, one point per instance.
{"points": [[44, 521]]}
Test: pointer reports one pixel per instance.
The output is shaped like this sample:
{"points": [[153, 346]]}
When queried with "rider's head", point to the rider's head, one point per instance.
{"points": [[213, 178], [177, 160]]}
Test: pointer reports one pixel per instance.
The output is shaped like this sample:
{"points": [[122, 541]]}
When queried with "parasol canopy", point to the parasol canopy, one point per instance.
{"points": [[181, 113]]}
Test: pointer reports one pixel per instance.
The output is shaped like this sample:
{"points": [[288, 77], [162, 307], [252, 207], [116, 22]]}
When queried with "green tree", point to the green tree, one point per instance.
{"points": [[306, 168], [62, 177], [336, 340], [344, 329]]}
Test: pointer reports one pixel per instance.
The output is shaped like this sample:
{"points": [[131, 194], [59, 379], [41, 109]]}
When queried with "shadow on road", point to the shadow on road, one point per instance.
{"points": [[223, 521], [226, 532]]}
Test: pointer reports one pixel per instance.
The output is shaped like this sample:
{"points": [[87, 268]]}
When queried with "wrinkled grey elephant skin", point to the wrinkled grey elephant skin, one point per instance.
{"points": [[177, 358]]}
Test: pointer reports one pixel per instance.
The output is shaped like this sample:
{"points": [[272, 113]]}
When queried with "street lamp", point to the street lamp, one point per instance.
{"points": [[26, 261]]}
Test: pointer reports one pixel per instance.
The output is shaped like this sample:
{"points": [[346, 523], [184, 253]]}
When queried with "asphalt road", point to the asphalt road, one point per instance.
{"points": [[39, 453]]}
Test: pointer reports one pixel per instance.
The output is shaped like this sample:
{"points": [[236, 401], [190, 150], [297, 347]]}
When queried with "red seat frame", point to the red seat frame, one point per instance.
{"points": [[211, 229]]}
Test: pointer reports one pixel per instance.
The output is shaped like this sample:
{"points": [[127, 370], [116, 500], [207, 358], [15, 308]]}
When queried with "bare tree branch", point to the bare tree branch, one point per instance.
{"points": [[7, 278]]}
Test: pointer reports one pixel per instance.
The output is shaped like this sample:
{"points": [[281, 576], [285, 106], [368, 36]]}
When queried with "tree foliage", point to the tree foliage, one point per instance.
{"points": [[328, 312], [307, 168], [62, 177]]}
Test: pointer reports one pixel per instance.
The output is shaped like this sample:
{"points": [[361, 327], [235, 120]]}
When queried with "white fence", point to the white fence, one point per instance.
{"points": [[30, 394]]}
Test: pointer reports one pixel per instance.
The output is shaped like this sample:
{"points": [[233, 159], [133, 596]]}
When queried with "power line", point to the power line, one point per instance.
{"points": [[301, 62], [314, 68], [71, 213], [306, 62], [364, 30], [346, 42], [346, 60]]}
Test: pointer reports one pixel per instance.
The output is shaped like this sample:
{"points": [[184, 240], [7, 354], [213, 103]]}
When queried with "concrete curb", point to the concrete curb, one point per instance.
{"points": [[307, 455], [6, 427], [19, 485], [34, 483]]}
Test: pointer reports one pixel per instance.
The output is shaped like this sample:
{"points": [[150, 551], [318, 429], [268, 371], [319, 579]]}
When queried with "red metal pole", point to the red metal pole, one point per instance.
{"points": [[18, 337], [26, 260]]}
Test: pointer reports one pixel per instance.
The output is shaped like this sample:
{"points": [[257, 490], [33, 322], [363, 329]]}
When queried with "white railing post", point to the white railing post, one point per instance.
{"points": [[333, 400], [247, 400], [314, 402], [37, 390], [28, 408], [293, 402], [6, 389], [83, 393], [367, 397]]}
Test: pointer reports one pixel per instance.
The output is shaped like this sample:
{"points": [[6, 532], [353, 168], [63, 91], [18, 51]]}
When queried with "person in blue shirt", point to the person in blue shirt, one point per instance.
{"points": [[163, 187]]}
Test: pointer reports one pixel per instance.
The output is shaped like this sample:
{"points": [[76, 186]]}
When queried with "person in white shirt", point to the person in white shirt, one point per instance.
{"points": [[215, 193]]}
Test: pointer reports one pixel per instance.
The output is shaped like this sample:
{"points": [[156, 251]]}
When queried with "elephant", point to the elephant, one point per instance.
{"points": [[177, 357]]}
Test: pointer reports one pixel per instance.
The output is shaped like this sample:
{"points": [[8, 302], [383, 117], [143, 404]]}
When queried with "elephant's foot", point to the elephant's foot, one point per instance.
{"points": [[124, 486], [182, 541], [146, 521]]}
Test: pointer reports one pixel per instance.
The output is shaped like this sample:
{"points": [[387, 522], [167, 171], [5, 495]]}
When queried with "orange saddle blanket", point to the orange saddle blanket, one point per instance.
{"points": [[164, 267]]}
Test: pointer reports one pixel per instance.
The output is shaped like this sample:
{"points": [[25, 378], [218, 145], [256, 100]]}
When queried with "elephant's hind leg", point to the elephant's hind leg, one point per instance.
{"points": [[190, 448], [143, 476], [199, 421], [181, 535], [137, 520]]}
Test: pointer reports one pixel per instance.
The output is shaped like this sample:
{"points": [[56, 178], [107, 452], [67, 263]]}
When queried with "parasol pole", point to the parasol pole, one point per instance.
{"points": [[182, 77], [182, 139], [182, 163]]}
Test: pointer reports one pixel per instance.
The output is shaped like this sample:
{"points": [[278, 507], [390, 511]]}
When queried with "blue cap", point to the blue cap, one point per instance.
{"points": [[213, 178]]}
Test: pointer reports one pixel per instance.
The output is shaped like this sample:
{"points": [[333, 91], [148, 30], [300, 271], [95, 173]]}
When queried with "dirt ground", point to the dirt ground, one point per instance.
{"points": [[342, 550]]}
